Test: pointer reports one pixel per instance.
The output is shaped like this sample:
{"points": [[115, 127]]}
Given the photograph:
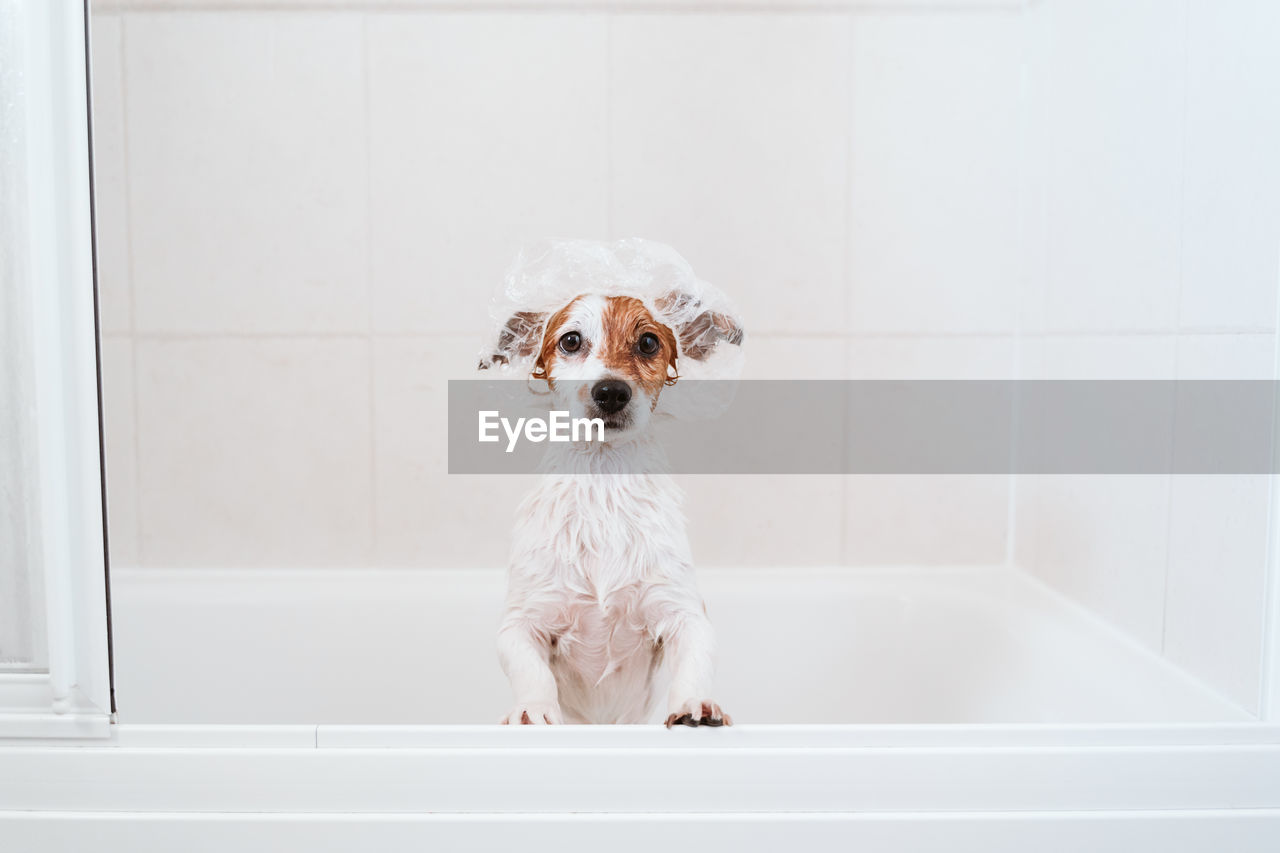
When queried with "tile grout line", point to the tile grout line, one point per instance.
{"points": [[846, 502], [1182, 232], [1026, 136]]}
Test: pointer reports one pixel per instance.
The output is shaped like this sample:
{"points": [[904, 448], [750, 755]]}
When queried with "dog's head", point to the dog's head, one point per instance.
{"points": [[610, 356]]}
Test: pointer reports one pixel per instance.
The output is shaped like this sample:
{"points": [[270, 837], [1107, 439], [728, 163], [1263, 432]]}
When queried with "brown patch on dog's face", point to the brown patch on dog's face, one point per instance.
{"points": [[596, 344], [550, 338], [636, 346]]}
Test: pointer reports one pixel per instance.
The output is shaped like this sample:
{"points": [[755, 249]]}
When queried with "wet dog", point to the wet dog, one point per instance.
{"points": [[603, 608]]}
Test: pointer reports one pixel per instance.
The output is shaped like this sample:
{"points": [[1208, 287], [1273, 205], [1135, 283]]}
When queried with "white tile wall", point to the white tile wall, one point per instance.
{"points": [[1109, 79], [1246, 356], [246, 172], [255, 452], [1231, 196], [747, 107], [1101, 539], [936, 156], [766, 520], [1098, 357], [915, 520], [1216, 586], [926, 520], [1155, 210], [484, 130], [110, 191], [1177, 561], [119, 433], [737, 520], [425, 516], [925, 357], [774, 357], [535, 133]]}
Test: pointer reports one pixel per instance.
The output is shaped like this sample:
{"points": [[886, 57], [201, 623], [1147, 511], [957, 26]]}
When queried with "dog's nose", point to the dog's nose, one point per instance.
{"points": [[611, 395]]}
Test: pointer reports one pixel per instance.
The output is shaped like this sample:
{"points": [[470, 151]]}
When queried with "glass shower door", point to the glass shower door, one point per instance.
{"points": [[22, 646], [54, 661]]}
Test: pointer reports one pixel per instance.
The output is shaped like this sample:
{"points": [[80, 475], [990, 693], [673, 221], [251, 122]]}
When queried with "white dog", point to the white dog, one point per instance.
{"points": [[602, 604]]}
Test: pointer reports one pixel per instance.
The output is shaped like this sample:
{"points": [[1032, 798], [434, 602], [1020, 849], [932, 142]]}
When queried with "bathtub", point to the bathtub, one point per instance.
{"points": [[938, 710], [797, 646]]}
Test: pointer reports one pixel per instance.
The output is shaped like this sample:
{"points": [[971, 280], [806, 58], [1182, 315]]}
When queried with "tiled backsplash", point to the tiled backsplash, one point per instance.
{"points": [[303, 208]]}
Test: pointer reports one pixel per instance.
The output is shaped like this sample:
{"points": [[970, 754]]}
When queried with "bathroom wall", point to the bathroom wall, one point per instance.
{"points": [[303, 207], [1153, 239], [304, 213]]}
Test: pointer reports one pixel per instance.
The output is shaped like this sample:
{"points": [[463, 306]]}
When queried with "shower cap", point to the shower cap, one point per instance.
{"points": [[547, 276]]}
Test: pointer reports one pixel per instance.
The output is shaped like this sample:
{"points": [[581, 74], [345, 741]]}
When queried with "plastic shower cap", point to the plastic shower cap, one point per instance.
{"points": [[547, 276]]}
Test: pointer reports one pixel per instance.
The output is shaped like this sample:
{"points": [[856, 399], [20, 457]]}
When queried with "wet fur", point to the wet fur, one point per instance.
{"points": [[603, 613]]}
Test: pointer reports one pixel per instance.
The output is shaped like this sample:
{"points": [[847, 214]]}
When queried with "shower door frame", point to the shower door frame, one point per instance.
{"points": [[70, 697]]}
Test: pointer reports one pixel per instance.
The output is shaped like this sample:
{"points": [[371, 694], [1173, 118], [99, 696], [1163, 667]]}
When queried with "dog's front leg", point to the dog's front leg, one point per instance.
{"points": [[525, 654], [690, 643]]}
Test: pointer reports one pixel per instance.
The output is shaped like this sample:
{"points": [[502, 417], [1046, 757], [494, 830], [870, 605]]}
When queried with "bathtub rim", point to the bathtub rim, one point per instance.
{"points": [[741, 736], [761, 768]]}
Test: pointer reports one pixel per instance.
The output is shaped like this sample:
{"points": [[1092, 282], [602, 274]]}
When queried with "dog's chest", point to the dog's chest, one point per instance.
{"points": [[602, 638], [598, 534], [607, 545]]}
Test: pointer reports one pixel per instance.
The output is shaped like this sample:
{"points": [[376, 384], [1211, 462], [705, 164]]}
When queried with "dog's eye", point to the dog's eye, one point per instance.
{"points": [[648, 344], [570, 342]]}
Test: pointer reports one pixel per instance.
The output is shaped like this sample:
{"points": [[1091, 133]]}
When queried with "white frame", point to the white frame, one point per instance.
{"points": [[73, 697]]}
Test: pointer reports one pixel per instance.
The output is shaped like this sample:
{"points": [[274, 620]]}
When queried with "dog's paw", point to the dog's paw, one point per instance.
{"points": [[533, 714], [698, 712]]}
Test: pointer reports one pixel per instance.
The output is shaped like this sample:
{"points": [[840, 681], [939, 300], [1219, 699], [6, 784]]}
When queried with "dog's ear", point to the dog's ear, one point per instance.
{"points": [[697, 328], [519, 337]]}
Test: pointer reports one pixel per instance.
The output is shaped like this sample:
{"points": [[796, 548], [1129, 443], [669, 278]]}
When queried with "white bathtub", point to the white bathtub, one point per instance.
{"points": [[901, 710], [797, 646], [897, 710]]}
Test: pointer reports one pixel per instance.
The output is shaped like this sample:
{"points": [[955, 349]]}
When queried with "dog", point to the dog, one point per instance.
{"points": [[602, 605]]}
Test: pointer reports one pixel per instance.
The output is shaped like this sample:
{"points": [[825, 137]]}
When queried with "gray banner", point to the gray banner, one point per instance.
{"points": [[905, 427]]}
